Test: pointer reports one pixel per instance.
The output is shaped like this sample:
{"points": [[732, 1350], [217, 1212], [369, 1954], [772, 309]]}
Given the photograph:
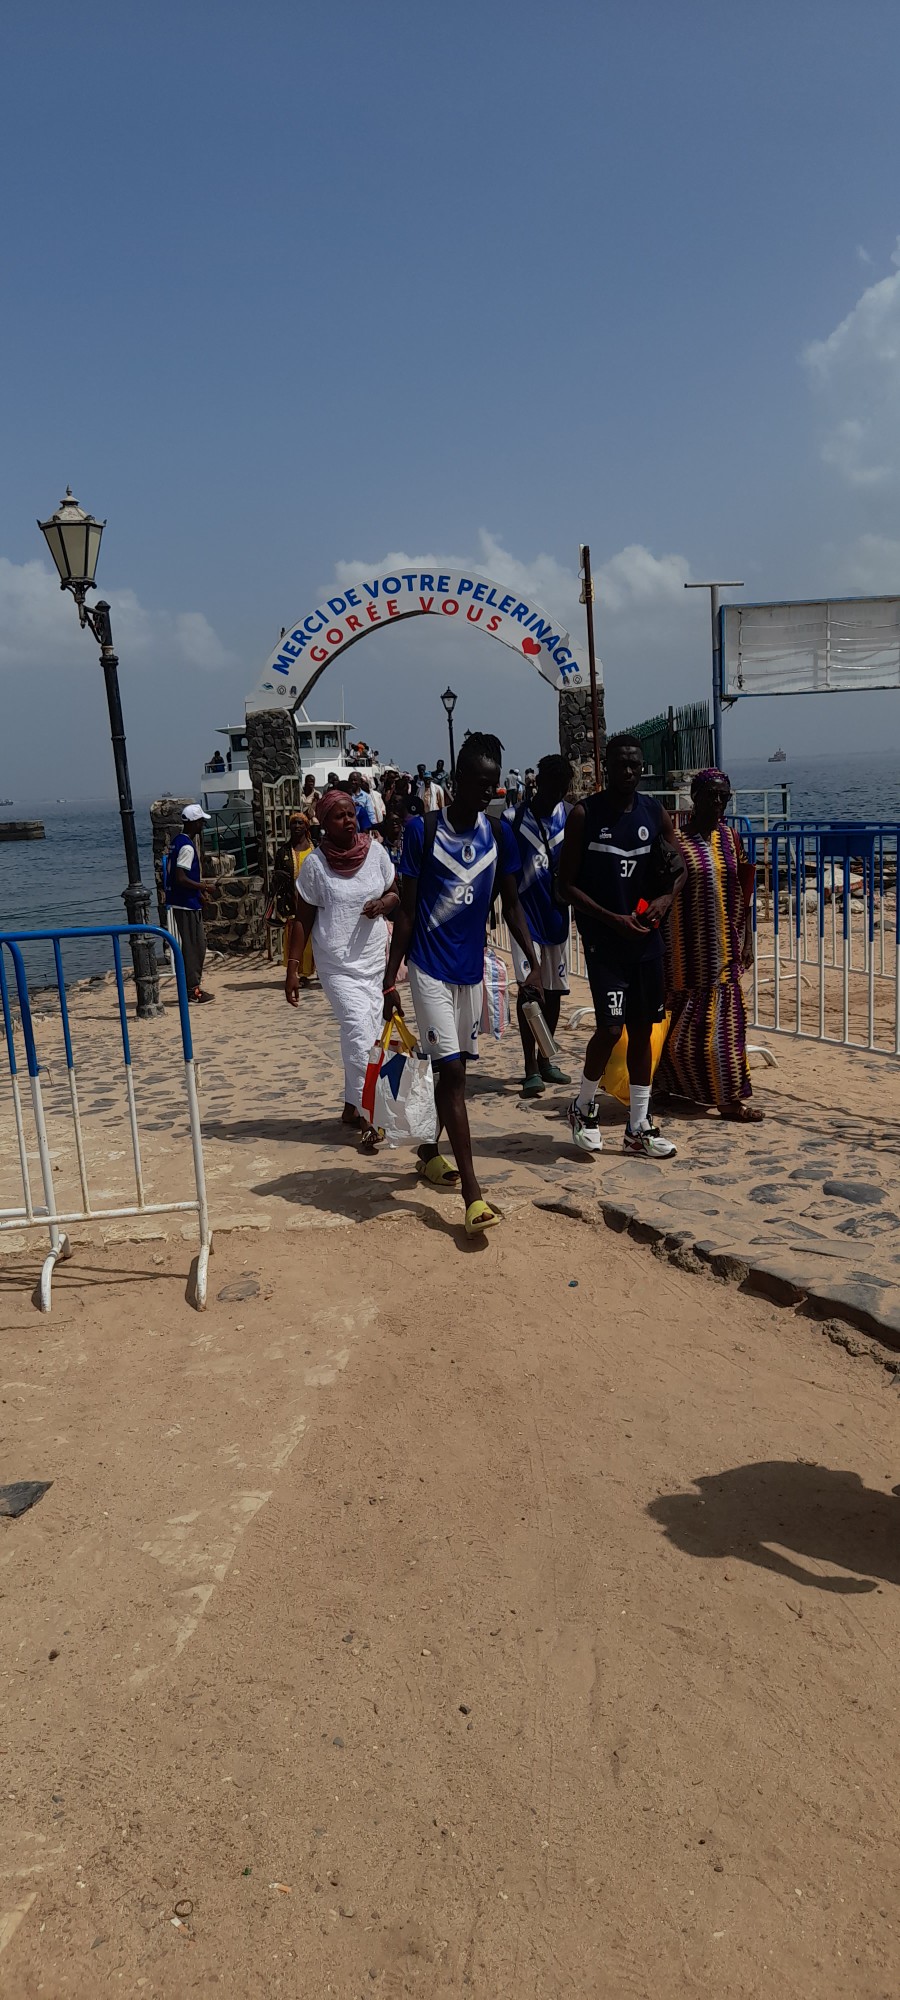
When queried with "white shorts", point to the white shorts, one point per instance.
{"points": [[554, 967], [448, 1017]]}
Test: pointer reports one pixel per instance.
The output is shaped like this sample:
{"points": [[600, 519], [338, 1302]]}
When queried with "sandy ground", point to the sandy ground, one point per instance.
{"points": [[515, 1620]]}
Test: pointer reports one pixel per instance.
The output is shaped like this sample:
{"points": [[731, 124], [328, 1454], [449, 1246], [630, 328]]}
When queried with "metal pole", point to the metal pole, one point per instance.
{"points": [[716, 675], [452, 750], [714, 589], [135, 897], [587, 599]]}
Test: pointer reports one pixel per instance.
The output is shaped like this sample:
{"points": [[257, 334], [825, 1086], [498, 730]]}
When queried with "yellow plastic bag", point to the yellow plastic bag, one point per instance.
{"points": [[615, 1075]]}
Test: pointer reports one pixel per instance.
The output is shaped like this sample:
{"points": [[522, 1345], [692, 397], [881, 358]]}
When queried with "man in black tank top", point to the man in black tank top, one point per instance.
{"points": [[620, 869]]}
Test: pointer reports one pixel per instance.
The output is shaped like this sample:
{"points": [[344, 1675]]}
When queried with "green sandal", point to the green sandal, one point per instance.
{"points": [[551, 1074], [533, 1085]]}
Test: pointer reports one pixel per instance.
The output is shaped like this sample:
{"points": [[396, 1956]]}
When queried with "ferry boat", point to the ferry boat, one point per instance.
{"points": [[322, 747], [780, 757]]}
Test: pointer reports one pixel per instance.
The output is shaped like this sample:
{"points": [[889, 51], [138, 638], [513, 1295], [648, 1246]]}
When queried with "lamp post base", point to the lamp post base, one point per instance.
{"points": [[143, 954]]}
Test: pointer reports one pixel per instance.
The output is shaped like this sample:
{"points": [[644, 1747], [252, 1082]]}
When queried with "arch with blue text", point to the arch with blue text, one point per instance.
{"points": [[462, 598]]}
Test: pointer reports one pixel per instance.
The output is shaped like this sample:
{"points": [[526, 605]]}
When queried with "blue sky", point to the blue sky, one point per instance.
{"points": [[289, 289]]}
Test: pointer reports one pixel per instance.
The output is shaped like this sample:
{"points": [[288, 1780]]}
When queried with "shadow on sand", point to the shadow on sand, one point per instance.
{"points": [[753, 1513], [361, 1193]]}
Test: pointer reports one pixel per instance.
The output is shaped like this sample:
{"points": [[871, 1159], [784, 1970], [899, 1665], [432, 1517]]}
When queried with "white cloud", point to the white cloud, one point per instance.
{"points": [[39, 628], [855, 372], [863, 254], [636, 580], [632, 581]]}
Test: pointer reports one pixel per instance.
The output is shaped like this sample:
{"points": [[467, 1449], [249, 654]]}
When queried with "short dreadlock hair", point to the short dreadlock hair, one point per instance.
{"points": [[480, 744]]}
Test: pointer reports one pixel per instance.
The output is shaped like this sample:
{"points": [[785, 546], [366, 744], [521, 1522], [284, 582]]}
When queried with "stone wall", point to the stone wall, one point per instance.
{"points": [[234, 908], [576, 737], [272, 753], [235, 904]]}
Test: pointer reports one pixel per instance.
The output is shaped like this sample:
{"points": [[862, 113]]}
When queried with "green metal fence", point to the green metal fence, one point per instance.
{"points": [[229, 832], [680, 740]]}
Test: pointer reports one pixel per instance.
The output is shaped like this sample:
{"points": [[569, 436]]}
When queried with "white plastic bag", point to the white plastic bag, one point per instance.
{"points": [[398, 1094], [404, 1100]]}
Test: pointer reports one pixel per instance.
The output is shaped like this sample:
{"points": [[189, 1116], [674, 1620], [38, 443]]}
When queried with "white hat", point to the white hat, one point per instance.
{"points": [[195, 813]]}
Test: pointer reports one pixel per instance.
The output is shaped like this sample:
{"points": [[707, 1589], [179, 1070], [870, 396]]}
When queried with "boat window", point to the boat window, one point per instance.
{"points": [[327, 739], [305, 739]]}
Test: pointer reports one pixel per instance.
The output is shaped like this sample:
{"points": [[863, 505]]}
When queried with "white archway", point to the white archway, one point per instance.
{"points": [[478, 603]]}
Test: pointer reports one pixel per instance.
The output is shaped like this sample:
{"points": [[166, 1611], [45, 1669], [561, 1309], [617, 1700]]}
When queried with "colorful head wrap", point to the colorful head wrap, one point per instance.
{"points": [[711, 776]]}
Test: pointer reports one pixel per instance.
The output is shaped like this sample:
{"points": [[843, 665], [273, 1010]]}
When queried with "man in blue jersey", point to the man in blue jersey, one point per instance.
{"points": [[620, 869], [184, 897], [539, 826], [450, 862]]}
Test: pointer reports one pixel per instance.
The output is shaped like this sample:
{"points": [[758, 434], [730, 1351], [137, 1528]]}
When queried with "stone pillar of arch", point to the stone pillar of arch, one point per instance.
{"points": [[272, 753], [576, 735]]}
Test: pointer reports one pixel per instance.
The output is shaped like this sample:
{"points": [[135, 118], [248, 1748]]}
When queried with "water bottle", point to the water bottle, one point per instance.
{"points": [[537, 1022]]}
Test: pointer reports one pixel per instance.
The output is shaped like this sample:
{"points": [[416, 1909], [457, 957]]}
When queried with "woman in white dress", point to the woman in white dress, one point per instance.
{"points": [[345, 890]]}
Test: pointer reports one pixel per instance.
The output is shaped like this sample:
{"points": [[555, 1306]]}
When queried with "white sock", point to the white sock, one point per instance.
{"points": [[639, 1105], [587, 1091]]}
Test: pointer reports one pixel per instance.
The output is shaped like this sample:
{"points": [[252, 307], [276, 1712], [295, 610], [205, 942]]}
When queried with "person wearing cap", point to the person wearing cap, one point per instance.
{"points": [[429, 794], [184, 897]]}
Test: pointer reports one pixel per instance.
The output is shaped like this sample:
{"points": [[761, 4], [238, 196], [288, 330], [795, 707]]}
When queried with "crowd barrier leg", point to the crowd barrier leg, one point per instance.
{"points": [[129, 1078], [190, 1077], [28, 1210], [60, 1247], [73, 1087], [48, 1215]]}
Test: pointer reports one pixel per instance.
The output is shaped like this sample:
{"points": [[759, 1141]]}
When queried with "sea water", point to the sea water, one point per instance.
{"points": [[859, 785], [74, 877]]}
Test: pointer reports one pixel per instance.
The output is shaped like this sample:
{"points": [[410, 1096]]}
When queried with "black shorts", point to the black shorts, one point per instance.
{"points": [[626, 996]]}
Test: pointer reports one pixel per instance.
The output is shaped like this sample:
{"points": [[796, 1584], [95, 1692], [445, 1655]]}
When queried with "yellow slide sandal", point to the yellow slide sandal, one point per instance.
{"points": [[437, 1171], [479, 1217]]}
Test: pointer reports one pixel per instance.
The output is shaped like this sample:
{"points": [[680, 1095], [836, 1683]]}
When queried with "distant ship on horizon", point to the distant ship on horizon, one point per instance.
{"points": [[780, 757]]}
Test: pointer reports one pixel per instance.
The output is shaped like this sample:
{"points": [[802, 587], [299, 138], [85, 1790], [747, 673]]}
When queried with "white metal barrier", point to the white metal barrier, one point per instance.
{"points": [[827, 934], [47, 1216]]}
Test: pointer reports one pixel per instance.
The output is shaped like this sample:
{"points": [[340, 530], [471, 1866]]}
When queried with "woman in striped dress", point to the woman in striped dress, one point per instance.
{"points": [[709, 946]]}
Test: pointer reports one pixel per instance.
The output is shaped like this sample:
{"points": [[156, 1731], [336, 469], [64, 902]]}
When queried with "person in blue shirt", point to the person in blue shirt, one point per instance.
{"points": [[184, 897], [538, 827], [449, 866], [365, 811]]}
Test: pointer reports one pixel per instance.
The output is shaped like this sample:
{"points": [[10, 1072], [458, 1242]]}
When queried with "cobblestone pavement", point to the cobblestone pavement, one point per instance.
{"points": [[806, 1204]]}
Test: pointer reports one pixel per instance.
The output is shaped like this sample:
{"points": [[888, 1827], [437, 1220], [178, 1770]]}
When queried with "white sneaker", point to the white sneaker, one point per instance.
{"points": [[649, 1141], [585, 1127]]}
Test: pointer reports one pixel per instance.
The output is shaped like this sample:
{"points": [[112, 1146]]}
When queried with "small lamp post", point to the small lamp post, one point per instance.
{"points": [[73, 538], [449, 700]]}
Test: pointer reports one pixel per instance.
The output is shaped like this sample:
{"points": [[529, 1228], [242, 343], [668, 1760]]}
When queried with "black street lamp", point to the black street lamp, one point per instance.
{"points": [[449, 700], [73, 539]]}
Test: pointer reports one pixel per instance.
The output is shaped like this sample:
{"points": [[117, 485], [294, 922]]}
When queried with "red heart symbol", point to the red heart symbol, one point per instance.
{"points": [[530, 646]]}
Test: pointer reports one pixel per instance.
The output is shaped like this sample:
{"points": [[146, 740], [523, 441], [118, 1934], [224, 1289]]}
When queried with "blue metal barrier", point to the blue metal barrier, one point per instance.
{"points": [[810, 862], [48, 1216]]}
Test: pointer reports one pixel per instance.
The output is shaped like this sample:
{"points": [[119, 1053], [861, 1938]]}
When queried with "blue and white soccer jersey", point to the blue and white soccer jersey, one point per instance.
{"points": [[540, 845], [446, 950]]}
